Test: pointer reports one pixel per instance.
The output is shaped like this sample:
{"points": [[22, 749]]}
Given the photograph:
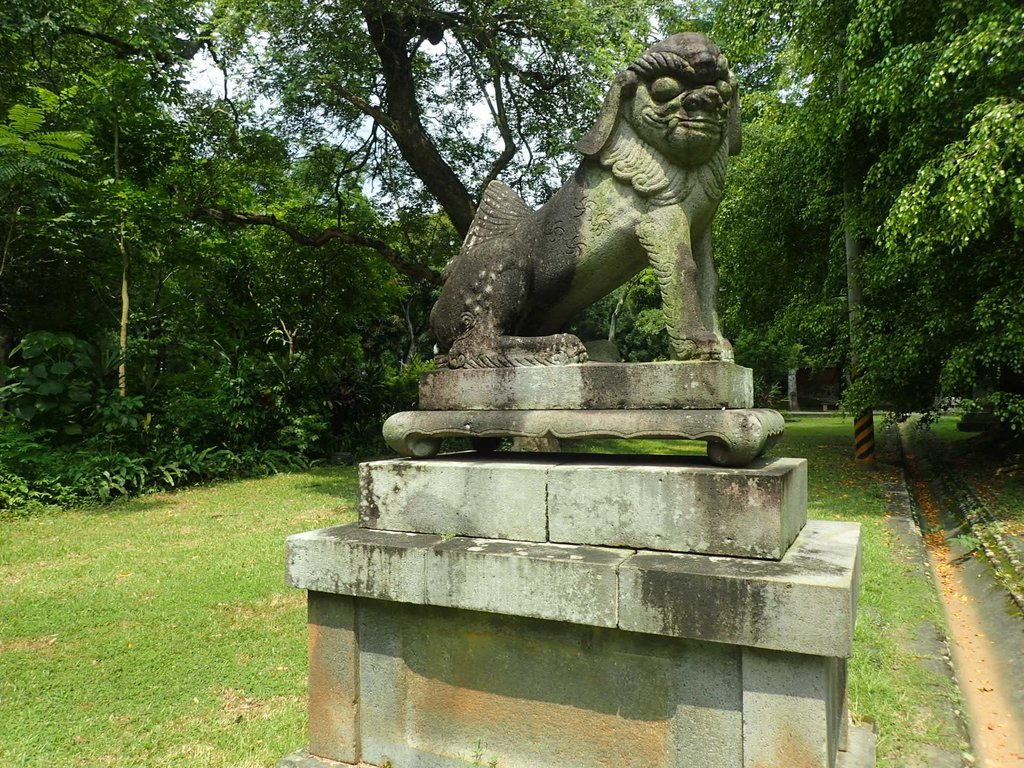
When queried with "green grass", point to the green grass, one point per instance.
{"points": [[995, 470], [159, 632]]}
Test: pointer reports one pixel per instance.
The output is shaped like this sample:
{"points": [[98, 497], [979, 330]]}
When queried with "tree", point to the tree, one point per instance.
{"points": [[915, 104], [462, 92]]}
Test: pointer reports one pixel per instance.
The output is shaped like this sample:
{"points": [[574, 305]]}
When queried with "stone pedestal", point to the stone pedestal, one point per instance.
{"points": [[576, 612], [710, 401]]}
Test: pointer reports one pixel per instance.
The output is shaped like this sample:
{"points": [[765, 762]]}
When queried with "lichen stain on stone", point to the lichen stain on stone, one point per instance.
{"points": [[792, 751], [369, 512], [721, 607]]}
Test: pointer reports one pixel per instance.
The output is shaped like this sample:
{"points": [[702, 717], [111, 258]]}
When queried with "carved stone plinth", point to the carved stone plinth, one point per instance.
{"points": [[633, 386], [734, 437]]}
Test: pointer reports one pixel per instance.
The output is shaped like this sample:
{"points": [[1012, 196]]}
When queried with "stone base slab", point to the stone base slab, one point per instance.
{"points": [[633, 386], [671, 504], [860, 753], [734, 437], [416, 686], [804, 603]]}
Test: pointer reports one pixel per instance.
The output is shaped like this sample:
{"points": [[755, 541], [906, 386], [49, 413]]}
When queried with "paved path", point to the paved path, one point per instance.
{"points": [[977, 577]]}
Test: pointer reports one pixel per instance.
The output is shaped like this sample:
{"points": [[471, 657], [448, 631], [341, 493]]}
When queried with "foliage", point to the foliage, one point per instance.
{"points": [[897, 126]]}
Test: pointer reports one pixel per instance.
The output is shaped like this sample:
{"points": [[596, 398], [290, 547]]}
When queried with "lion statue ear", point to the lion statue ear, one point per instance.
{"points": [[733, 128], [596, 138]]}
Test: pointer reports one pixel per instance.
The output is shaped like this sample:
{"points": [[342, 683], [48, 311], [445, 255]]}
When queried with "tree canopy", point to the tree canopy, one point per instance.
{"points": [[899, 124], [251, 263]]}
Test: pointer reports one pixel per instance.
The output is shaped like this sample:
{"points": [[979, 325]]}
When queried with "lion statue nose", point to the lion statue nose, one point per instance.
{"points": [[705, 98]]}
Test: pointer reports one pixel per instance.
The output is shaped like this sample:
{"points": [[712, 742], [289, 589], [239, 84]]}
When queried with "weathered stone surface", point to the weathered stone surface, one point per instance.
{"points": [[664, 503], [645, 193], [547, 581], [793, 707], [349, 560], [535, 669], [444, 688], [553, 581], [447, 688], [464, 494], [734, 437], [755, 511], [805, 603], [635, 386], [333, 677]]}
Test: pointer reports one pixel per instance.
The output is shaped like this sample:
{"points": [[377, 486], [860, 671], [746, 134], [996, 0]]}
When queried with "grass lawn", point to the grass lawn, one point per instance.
{"points": [[159, 631]]}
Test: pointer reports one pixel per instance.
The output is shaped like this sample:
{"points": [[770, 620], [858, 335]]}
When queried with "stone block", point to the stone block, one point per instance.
{"points": [[755, 511], [444, 688], [804, 603], [548, 581], [793, 708], [553, 581], [348, 560], [462, 494], [333, 677], [662, 503], [672, 384]]}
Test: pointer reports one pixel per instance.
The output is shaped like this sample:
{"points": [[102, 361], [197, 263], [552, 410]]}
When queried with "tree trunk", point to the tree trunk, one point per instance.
{"points": [[391, 40], [122, 246], [864, 424]]}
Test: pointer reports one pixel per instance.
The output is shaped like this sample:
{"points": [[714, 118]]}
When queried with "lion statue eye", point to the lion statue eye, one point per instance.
{"points": [[665, 89]]}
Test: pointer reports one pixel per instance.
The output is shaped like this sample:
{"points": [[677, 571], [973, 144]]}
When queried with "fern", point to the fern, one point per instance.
{"points": [[25, 120], [29, 154]]}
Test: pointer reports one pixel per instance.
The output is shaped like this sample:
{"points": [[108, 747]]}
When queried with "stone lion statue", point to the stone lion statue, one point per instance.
{"points": [[645, 192]]}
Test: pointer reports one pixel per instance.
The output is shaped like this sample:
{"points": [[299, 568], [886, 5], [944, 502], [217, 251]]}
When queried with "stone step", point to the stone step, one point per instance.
{"points": [[667, 504], [805, 603]]}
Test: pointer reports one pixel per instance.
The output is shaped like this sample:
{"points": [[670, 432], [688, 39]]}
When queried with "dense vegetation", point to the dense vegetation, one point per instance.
{"points": [[221, 225]]}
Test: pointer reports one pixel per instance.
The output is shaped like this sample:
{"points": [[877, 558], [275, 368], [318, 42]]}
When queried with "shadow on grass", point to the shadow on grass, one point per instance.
{"points": [[334, 481], [134, 505]]}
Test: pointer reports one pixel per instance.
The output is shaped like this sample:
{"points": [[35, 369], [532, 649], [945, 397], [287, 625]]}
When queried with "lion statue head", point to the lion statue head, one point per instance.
{"points": [[679, 98]]}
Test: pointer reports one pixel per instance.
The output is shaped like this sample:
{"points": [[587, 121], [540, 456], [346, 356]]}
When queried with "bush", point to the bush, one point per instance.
{"points": [[67, 436]]}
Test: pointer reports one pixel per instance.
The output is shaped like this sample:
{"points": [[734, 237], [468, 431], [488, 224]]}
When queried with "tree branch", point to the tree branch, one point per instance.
{"points": [[390, 38], [186, 50], [385, 251], [122, 46]]}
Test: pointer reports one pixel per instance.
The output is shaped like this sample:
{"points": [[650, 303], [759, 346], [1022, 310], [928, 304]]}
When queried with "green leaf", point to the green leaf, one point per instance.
{"points": [[25, 120], [50, 387], [62, 367]]}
